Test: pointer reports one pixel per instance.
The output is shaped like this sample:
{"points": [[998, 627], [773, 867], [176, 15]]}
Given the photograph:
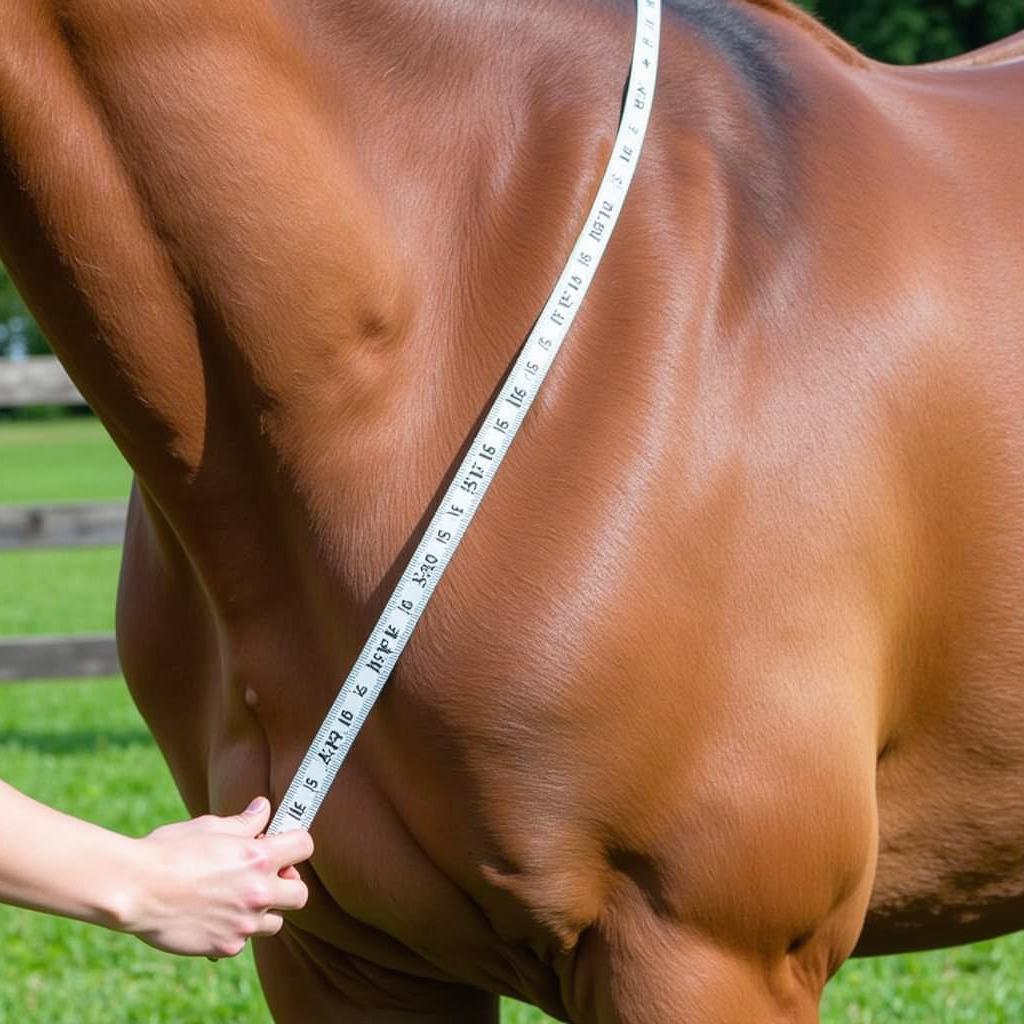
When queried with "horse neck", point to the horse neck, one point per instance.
{"points": [[326, 219]]}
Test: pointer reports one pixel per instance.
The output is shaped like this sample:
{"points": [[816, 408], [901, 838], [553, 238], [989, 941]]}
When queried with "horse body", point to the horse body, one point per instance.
{"points": [[725, 680]]}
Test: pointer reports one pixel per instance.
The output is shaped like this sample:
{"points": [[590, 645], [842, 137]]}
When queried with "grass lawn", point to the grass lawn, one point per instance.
{"points": [[72, 591], [83, 748], [59, 460]]}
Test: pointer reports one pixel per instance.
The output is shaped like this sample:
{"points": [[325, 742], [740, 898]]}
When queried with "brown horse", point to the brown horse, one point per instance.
{"points": [[727, 681]]}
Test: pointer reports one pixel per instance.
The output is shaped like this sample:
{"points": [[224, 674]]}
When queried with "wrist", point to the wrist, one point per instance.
{"points": [[120, 898]]}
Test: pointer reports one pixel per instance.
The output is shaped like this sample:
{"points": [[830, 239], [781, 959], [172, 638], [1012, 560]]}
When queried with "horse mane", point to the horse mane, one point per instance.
{"points": [[825, 36], [757, 54]]}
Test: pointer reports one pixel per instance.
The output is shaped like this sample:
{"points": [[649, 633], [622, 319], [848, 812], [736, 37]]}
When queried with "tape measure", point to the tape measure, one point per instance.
{"points": [[372, 668]]}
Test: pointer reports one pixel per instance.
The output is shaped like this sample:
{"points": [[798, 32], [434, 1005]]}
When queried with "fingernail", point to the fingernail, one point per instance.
{"points": [[256, 805]]}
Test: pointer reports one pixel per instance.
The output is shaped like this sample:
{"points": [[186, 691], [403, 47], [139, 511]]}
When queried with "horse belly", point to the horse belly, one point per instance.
{"points": [[951, 773]]}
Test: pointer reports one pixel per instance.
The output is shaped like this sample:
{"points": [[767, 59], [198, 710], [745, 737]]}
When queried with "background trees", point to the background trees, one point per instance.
{"points": [[19, 335], [910, 31]]}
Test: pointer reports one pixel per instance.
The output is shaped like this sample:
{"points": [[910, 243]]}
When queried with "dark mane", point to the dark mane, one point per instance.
{"points": [[755, 56]]}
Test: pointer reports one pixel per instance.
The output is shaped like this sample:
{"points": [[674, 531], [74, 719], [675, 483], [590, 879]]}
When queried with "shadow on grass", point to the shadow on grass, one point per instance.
{"points": [[84, 742]]}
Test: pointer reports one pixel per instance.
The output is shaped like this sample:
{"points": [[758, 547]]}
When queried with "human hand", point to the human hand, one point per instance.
{"points": [[205, 886]]}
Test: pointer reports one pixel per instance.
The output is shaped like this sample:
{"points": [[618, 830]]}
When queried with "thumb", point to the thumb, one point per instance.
{"points": [[253, 820]]}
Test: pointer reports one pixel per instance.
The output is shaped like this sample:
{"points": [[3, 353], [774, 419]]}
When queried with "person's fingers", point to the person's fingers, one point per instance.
{"points": [[290, 873], [287, 848], [270, 924], [288, 895], [250, 823]]}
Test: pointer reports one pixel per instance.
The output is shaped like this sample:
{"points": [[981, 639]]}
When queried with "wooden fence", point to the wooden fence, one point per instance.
{"points": [[37, 381], [42, 381]]}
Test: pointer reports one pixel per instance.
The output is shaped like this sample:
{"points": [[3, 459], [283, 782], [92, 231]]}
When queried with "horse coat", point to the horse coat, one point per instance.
{"points": [[748, 697]]}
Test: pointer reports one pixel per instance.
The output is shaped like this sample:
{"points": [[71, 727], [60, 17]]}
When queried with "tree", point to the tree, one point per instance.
{"points": [[19, 333], [912, 31]]}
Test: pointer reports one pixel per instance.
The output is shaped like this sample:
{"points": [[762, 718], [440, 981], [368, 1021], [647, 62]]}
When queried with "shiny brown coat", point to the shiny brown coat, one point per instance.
{"points": [[728, 676]]}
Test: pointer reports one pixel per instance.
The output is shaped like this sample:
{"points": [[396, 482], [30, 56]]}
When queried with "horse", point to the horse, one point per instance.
{"points": [[725, 683]]}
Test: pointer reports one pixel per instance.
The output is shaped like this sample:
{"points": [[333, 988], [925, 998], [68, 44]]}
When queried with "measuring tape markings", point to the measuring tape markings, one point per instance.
{"points": [[371, 670]]}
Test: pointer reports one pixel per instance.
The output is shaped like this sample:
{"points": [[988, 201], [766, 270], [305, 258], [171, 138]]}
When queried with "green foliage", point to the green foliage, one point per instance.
{"points": [[913, 31], [19, 333]]}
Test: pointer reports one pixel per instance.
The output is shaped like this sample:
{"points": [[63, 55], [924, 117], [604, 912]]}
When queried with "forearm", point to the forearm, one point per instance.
{"points": [[198, 887], [52, 862]]}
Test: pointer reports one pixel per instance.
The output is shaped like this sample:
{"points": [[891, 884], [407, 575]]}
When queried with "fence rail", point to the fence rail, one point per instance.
{"points": [[62, 526], [82, 656], [42, 381]]}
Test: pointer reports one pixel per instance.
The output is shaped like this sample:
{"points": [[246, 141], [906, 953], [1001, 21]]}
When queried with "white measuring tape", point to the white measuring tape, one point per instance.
{"points": [[377, 659]]}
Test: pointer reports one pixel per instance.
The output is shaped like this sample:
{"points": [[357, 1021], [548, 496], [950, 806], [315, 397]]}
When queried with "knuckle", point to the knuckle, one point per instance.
{"points": [[258, 897], [256, 857]]}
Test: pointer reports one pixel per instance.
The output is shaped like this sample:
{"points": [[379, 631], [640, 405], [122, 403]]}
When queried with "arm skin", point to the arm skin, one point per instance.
{"points": [[198, 887]]}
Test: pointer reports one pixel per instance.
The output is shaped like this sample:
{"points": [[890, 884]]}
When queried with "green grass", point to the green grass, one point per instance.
{"points": [[983, 983], [44, 591], [59, 460], [82, 747]]}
